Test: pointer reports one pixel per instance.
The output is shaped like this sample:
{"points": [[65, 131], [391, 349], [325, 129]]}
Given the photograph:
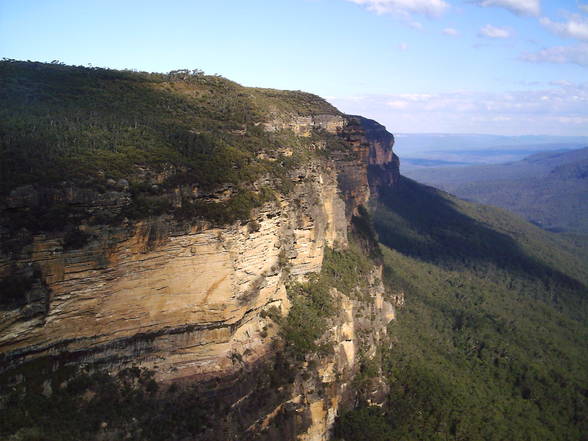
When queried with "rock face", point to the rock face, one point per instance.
{"points": [[376, 144], [181, 299], [191, 301], [356, 334], [304, 125]]}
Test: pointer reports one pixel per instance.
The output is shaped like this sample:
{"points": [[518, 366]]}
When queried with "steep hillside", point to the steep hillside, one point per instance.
{"points": [[492, 341], [183, 257], [549, 189]]}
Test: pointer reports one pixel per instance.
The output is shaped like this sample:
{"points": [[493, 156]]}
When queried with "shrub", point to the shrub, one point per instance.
{"points": [[367, 423]]}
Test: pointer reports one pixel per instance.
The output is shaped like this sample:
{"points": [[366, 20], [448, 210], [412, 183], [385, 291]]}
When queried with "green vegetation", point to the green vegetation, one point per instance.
{"points": [[45, 400], [70, 406], [306, 321], [312, 303], [434, 227], [62, 122], [236, 208], [347, 270], [491, 344], [366, 423], [291, 101], [87, 126]]}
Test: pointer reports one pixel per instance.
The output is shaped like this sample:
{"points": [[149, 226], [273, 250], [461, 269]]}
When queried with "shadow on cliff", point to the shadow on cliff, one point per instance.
{"points": [[423, 223]]}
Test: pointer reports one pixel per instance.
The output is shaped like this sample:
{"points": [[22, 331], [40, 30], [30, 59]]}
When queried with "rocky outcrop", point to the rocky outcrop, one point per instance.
{"points": [[193, 301], [375, 146], [184, 298], [304, 125], [356, 334]]}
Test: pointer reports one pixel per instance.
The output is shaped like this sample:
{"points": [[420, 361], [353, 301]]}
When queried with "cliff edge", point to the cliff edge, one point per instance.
{"points": [[210, 245]]}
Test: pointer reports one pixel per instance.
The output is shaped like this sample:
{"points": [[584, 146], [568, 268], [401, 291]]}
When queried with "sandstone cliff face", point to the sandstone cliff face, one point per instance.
{"points": [[181, 298], [381, 162], [356, 334], [190, 300]]}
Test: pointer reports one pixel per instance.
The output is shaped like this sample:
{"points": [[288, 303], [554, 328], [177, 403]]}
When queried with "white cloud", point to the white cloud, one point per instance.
{"points": [[583, 7], [494, 32], [451, 32], [558, 108], [575, 27], [519, 7], [403, 46], [560, 55], [432, 8]]}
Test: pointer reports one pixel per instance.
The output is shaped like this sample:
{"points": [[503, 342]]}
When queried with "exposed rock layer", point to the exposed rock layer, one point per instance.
{"points": [[188, 300]]}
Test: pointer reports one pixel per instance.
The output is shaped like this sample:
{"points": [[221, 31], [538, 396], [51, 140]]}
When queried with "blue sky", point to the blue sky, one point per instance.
{"points": [[448, 66]]}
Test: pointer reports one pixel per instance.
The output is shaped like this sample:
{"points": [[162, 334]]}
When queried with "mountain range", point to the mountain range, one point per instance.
{"points": [[549, 189], [424, 150]]}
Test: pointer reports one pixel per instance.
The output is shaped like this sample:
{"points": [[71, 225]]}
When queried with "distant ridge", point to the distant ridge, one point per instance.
{"points": [[462, 149], [550, 189]]}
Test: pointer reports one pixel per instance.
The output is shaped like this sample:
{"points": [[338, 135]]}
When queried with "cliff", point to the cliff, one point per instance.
{"points": [[176, 279]]}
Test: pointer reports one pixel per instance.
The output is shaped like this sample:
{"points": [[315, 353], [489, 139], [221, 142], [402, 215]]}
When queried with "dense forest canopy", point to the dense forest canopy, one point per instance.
{"points": [[61, 122], [88, 127], [492, 342]]}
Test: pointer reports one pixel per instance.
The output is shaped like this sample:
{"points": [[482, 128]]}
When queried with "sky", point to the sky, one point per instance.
{"points": [[508, 67]]}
